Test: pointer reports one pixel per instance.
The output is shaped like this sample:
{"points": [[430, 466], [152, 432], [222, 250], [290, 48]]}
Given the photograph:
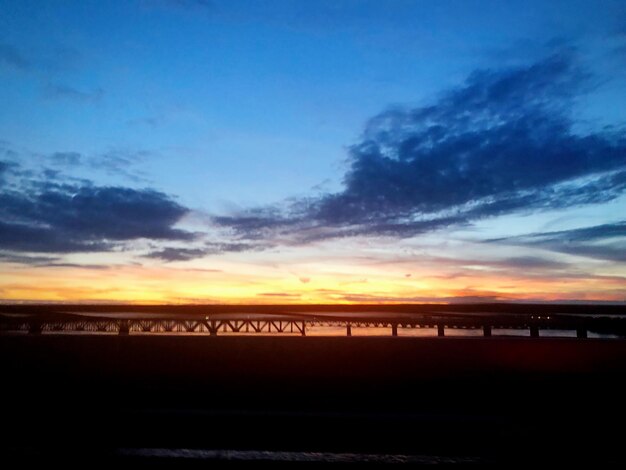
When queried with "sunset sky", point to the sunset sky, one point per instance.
{"points": [[312, 151]]}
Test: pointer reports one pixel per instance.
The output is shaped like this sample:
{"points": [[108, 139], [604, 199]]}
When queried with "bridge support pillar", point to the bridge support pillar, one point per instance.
{"points": [[348, 329], [487, 330], [394, 330], [34, 328], [581, 332], [534, 331], [124, 327], [440, 330]]}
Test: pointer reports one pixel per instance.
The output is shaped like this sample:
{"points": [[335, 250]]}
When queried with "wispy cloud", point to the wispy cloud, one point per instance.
{"points": [[63, 91], [42, 61], [116, 162], [47, 66], [120, 162], [12, 57], [606, 241], [66, 158]]}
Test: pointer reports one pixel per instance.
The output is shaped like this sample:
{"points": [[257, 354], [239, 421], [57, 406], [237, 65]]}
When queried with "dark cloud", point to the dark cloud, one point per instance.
{"points": [[233, 247], [11, 57], [586, 234], [529, 262], [177, 254], [24, 259], [48, 262], [62, 91], [97, 267], [616, 253], [185, 254], [30, 238], [606, 242], [44, 216], [502, 143], [526, 263]]}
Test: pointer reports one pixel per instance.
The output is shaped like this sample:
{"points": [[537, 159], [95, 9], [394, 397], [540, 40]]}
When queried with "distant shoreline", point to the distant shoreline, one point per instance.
{"points": [[607, 308]]}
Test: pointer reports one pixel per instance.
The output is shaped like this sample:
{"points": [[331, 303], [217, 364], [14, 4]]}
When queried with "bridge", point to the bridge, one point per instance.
{"points": [[297, 323]]}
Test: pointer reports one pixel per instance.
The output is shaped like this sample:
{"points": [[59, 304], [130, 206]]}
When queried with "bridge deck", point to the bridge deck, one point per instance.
{"points": [[299, 323]]}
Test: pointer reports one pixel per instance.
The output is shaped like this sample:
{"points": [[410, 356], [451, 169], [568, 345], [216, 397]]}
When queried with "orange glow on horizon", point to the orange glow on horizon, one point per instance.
{"points": [[235, 285]]}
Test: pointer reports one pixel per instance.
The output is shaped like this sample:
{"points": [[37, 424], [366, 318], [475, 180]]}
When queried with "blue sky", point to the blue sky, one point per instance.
{"points": [[243, 131]]}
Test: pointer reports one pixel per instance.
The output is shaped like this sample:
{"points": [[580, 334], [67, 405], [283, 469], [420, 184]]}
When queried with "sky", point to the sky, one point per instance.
{"points": [[212, 151]]}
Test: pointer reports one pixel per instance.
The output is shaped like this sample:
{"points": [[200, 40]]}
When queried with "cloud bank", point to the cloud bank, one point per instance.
{"points": [[503, 142], [43, 216]]}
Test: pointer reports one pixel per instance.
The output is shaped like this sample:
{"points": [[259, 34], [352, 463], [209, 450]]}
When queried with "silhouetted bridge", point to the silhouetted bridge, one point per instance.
{"points": [[300, 323]]}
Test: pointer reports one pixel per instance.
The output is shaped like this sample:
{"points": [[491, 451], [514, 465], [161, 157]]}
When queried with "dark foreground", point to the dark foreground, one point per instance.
{"points": [[141, 399]]}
